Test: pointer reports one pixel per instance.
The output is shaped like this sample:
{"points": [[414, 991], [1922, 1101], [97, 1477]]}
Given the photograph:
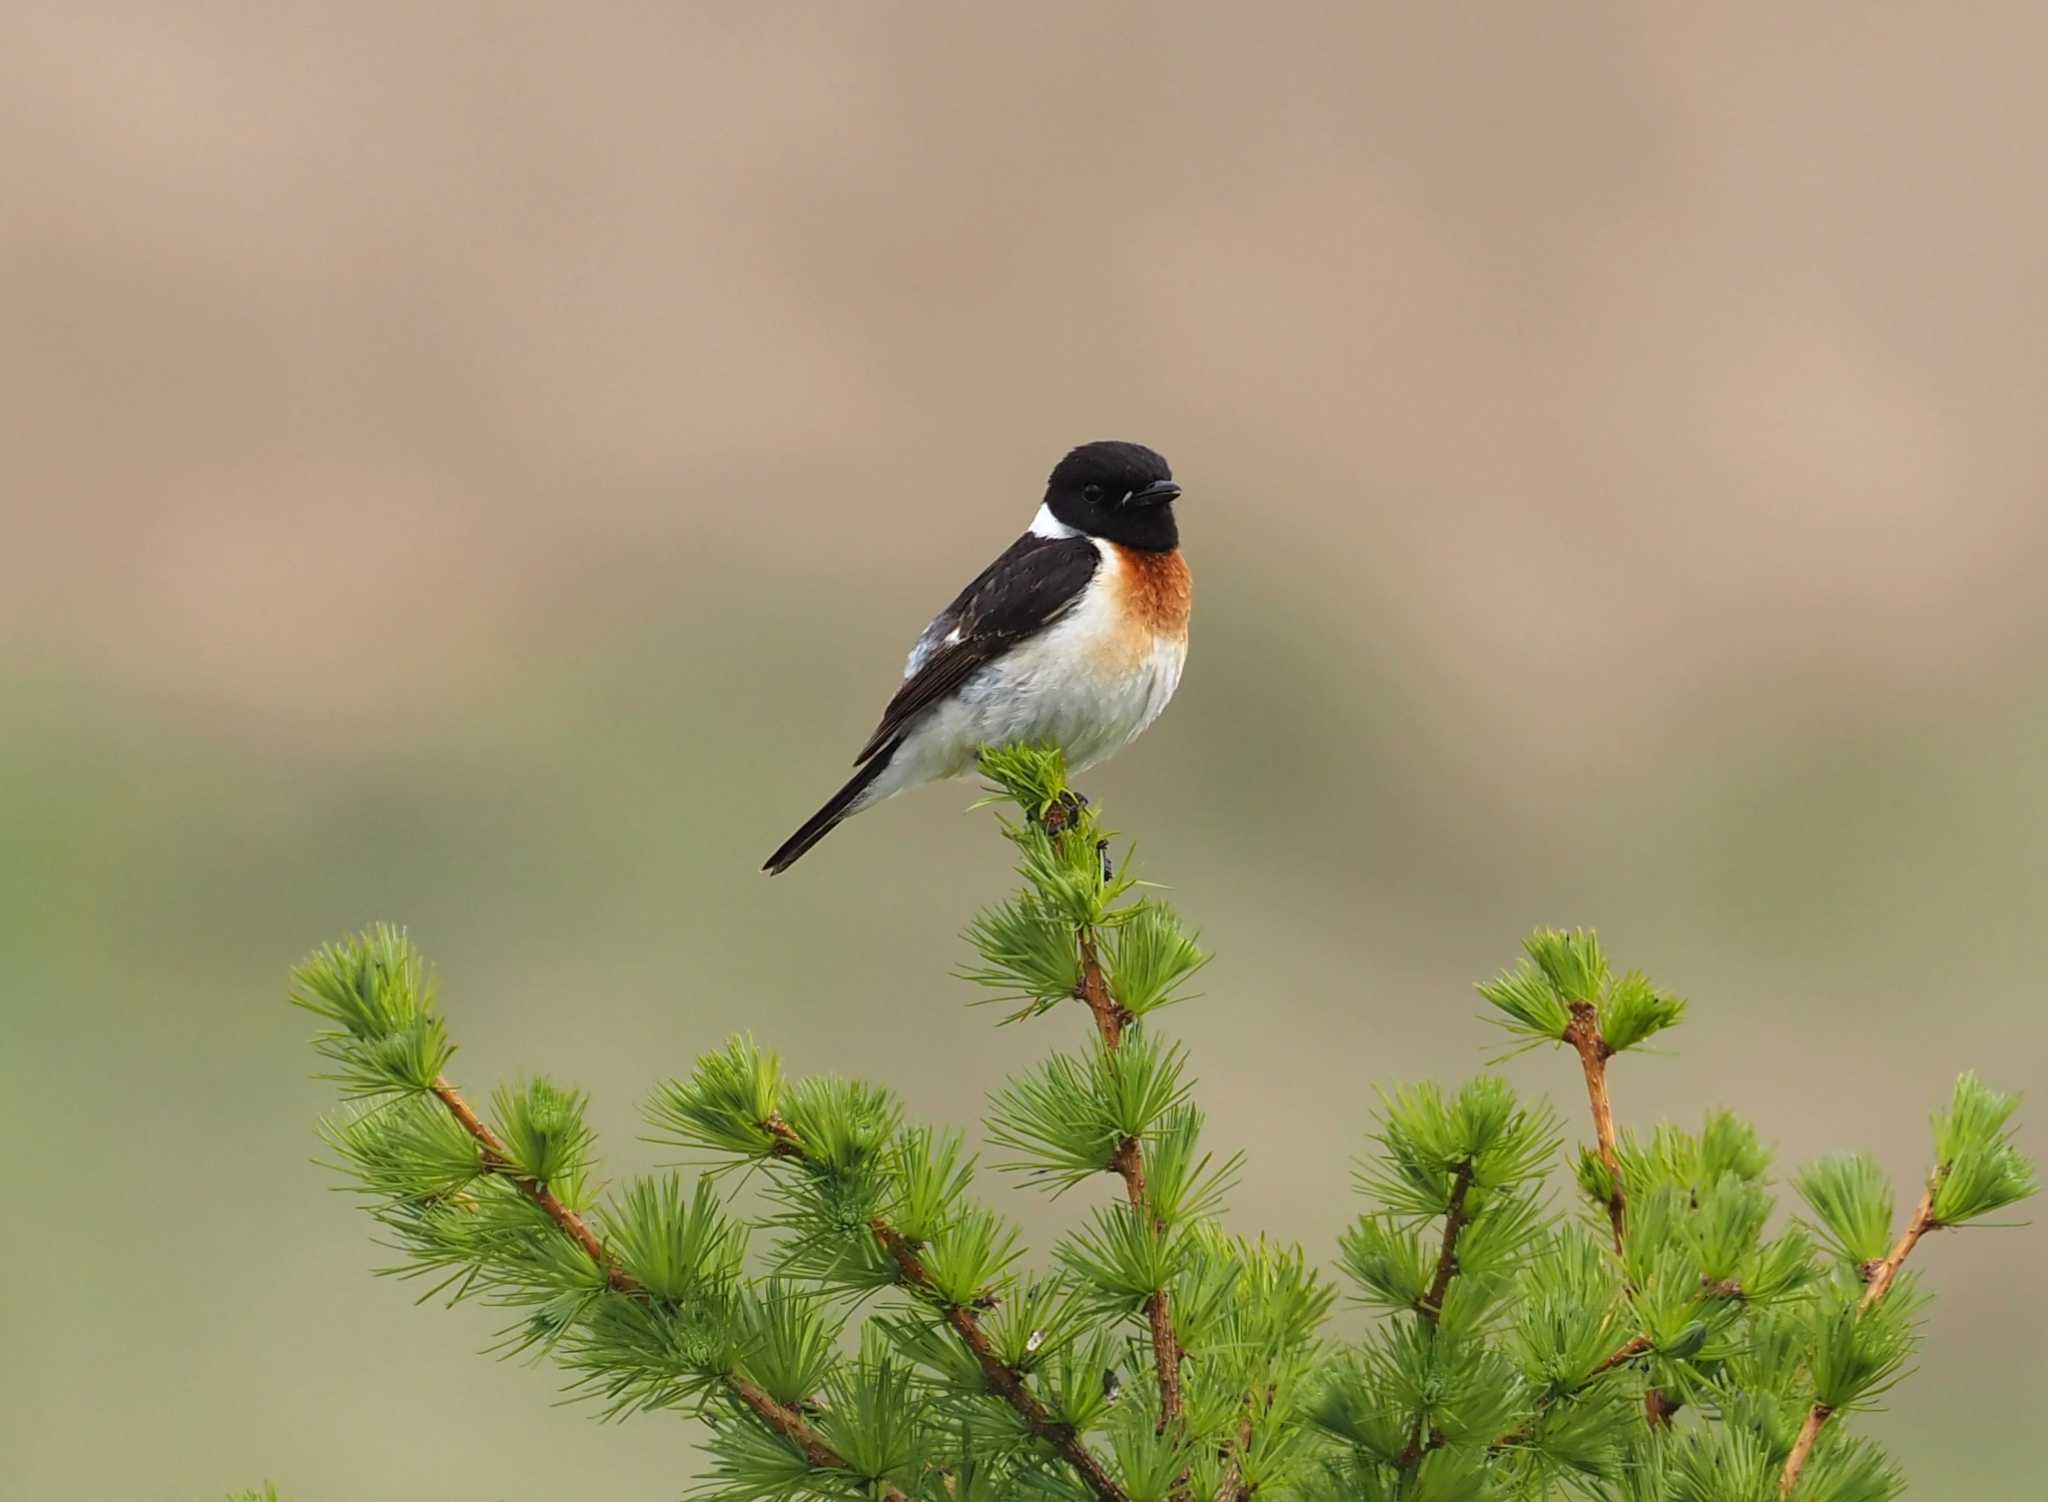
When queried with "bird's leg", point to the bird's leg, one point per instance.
{"points": [[1063, 813]]}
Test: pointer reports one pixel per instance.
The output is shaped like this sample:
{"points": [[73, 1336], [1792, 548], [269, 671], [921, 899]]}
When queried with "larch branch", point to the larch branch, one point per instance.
{"points": [[1094, 992], [1129, 1165], [1004, 1380], [1802, 1448], [1881, 1275], [1584, 1035], [497, 1160], [1922, 1222], [1128, 1162], [1627, 1351], [1232, 1488], [1447, 1257], [1422, 1438]]}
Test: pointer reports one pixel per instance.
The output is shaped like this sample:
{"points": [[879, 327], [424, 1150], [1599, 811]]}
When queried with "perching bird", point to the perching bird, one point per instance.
{"points": [[1075, 636]]}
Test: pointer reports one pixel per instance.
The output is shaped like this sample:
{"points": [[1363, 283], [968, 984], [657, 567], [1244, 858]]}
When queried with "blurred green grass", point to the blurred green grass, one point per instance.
{"points": [[580, 860]]}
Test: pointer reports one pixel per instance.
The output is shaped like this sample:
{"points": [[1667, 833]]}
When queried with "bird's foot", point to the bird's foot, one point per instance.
{"points": [[1063, 813]]}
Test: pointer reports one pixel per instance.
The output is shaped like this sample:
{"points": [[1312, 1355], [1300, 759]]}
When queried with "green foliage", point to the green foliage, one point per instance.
{"points": [[1852, 1201], [1032, 777], [1066, 1118], [1120, 1258], [1028, 953], [544, 1135], [1031, 947], [723, 1107], [831, 1294], [786, 1339], [1857, 1355], [408, 1151], [1479, 1154], [1569, 1318], [1150, 959], [378, 988], [1978, 1169], [1851, 1470], [1183, 1183], [678, 1246], [1559, 969]]}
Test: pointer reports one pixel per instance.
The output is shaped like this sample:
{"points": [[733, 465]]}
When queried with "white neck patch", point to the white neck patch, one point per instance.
{"points": [[1045, 524]]}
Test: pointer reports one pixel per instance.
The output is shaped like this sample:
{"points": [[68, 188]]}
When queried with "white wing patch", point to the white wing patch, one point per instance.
{"points": [[929, 643], [1045, 525]]}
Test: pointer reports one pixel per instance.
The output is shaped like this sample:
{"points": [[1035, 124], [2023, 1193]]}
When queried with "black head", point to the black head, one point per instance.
{"points": [[1120, 492]]}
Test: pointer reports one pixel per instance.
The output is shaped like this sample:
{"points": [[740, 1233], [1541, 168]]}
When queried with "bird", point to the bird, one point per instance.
{"points": [[1075, 636]]}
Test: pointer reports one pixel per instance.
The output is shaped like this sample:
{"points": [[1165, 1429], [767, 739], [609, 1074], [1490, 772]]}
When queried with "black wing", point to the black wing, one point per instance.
{"points": [[1034, 583]]}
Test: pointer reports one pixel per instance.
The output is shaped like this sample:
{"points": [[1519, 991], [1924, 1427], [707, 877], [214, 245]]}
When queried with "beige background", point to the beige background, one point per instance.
{"points": [[480, 465]]}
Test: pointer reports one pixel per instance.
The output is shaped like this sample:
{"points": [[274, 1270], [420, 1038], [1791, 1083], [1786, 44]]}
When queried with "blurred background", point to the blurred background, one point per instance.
{"points": [[480, 465]]}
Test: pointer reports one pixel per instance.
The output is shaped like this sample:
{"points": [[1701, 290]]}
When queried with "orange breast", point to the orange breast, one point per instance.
{"points": [[1157, 591]]}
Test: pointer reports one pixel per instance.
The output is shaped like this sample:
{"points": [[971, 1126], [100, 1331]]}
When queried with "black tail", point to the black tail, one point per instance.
{"points": [[826, 819]]}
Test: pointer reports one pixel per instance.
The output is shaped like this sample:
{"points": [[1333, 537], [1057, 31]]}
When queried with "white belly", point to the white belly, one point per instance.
{"points": [[1049, 692], [1062, 687]]}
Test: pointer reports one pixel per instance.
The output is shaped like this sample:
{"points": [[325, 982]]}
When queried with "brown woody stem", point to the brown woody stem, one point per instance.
{"points": [[1922, 1222], [1802, 1448], [1004, 1380], [1659, 1407], [1422, 1439], [1094, 991], [1881, 1275], [1627, 1351], [1129, 1165], [1420, 1445], [1447, 1258], [1233, 1488], [497, 1160], [790, 1424], [1584, 1035]]}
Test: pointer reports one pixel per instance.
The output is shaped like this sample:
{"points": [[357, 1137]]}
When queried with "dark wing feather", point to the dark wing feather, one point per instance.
{"points": [[1034, 583]]}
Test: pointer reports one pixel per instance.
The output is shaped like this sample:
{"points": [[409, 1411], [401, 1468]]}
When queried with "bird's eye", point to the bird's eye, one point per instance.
{"points": [[1091, 492]]}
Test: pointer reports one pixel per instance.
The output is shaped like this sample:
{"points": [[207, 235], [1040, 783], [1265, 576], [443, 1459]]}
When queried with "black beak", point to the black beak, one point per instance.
{"points": [[1158, 493]]}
